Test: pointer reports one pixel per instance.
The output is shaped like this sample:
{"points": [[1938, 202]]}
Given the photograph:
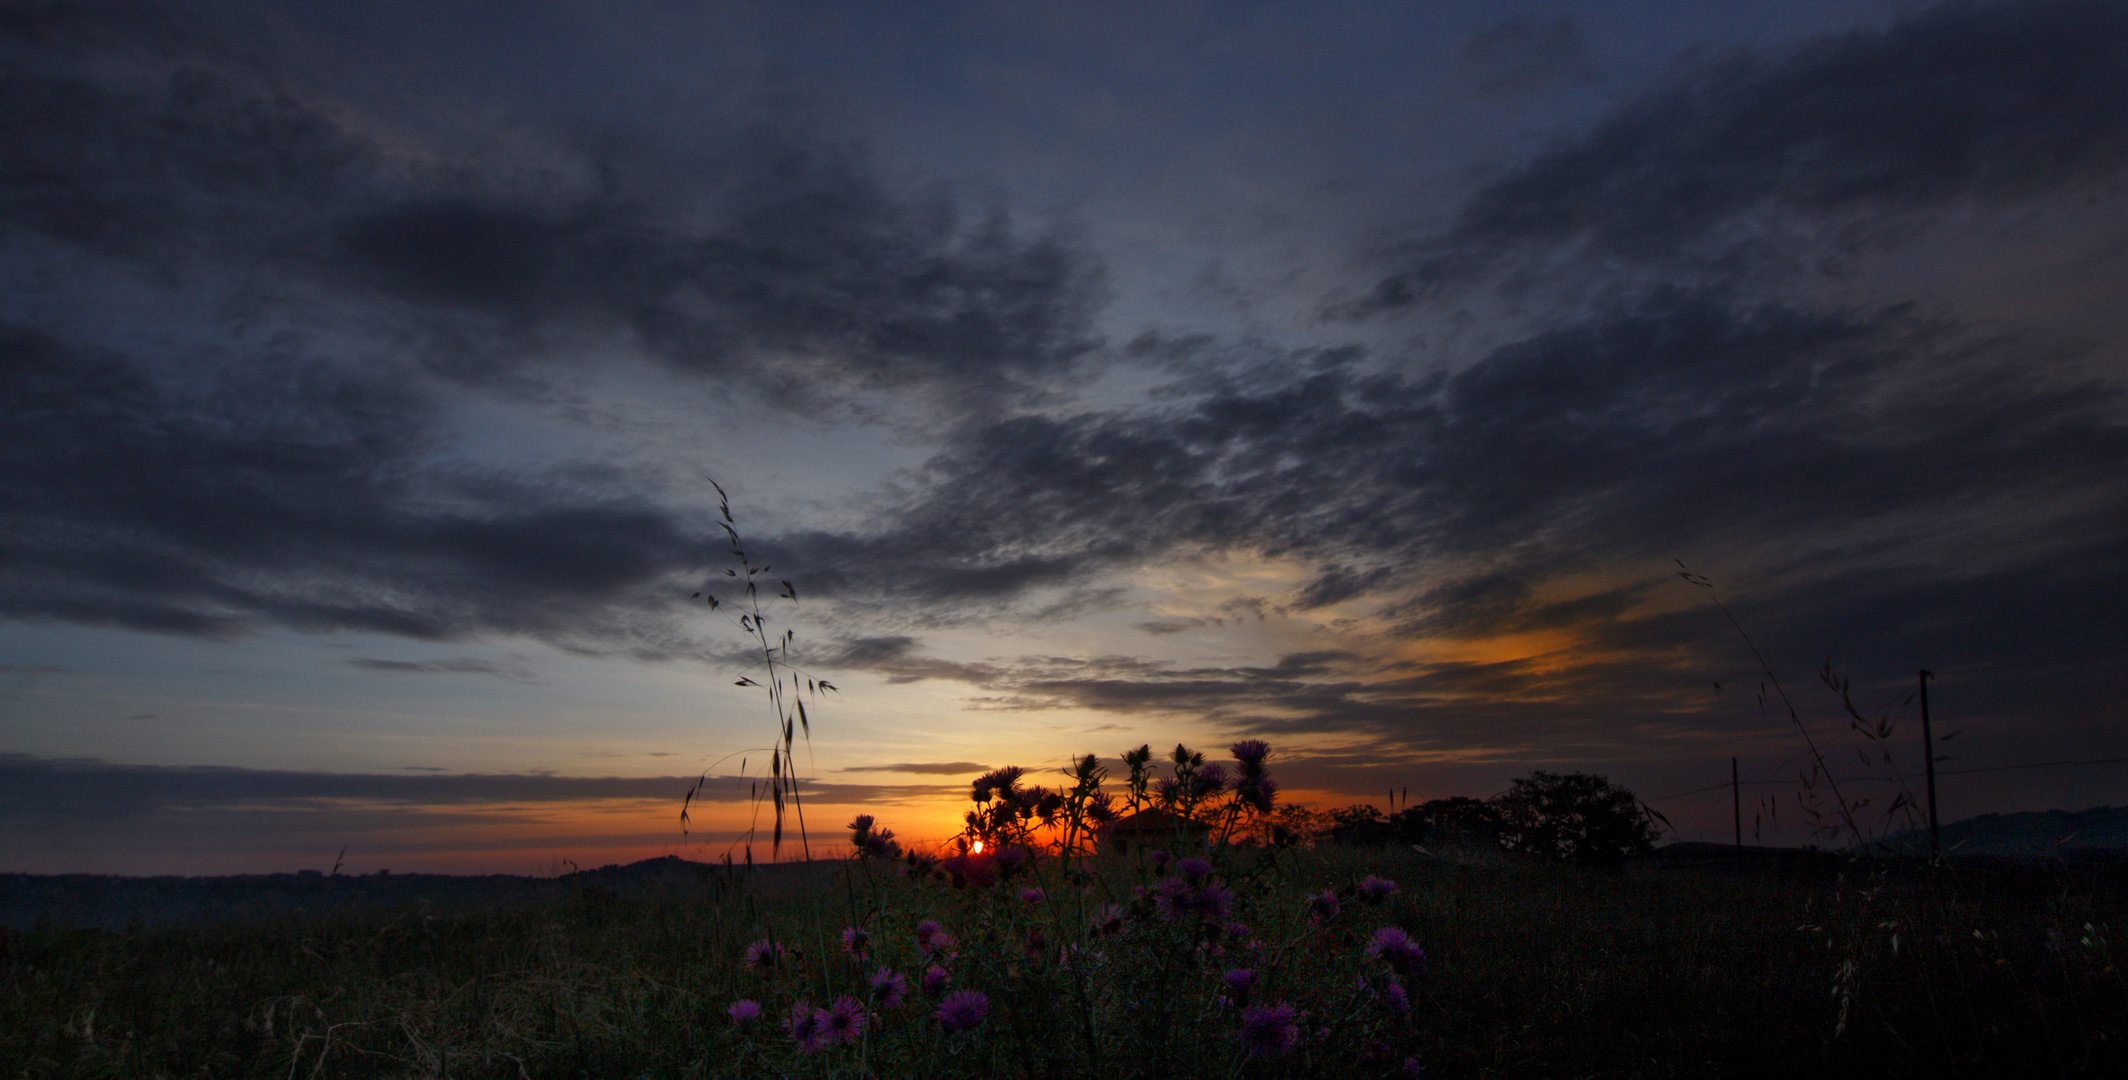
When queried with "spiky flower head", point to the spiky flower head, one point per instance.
{"points": [[1011, 859], [936, 981], [1195, 870], [763, 956], [933, 938], [880, 845], [1394, 947], [919, 865], [1257, 792], [1374, 889], [971, 869], [1324, 906], [1251, 753], [842, 1022], [1108, 922], [861, 829], [963, 1010], [998, 782], [1236, 984], [1270, 1030], [1031, 895], [888, 987], [803, 1026], [1395, 999], [1210, 780], [744, 1012], [854, 942]]}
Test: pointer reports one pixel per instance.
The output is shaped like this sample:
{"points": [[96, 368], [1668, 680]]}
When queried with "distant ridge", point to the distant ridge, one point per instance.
{"points": [[2036, 834]]}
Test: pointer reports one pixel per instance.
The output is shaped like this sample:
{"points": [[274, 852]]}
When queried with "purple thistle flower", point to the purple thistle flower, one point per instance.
{"points": [[936, 980], [1395, 948], [1000, 781], [854, 942], [1213, 901], [1011, 859], [1270, 1030], [841, 1022], [888, 987], [919, 865], [1210, 780], [933, 938], [1375, 889], [1395, 999], [1032, 896], [1109, 921], [803, 1026], [1257, 791], [1238, 982], [1411, 1070], [763, 955], [1250, 752], [1174, 899], [1323, 906], [1169, 789], [1195, 870], [963, 1010], [744, 1012], [1160, 860]]}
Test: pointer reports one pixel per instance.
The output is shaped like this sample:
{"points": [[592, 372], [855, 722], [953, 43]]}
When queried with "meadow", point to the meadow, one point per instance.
{"points": [[1377, 961]]}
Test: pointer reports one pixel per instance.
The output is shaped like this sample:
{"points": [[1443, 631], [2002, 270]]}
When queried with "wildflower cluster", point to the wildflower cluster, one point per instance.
{"points": [[1024, 934]]}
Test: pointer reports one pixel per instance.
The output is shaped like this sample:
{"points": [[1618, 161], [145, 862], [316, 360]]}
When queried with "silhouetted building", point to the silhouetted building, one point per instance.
{"points": [[1151, 828]]}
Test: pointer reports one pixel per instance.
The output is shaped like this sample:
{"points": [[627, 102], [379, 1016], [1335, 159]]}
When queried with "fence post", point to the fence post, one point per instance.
{"points": [[1736, 803]]}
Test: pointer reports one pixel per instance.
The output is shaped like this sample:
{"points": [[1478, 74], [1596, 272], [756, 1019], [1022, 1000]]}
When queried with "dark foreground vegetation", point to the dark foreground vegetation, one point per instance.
{"points": [[1669, 968]]}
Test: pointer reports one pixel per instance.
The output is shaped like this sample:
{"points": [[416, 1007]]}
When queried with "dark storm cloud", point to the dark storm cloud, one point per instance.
{"points": [[1989, 102], [295, 499], [1868, 469], [138, 132], [286, 468], [514, 671], [92, 789], [937, 768], [1682, 420], [814, 278]]}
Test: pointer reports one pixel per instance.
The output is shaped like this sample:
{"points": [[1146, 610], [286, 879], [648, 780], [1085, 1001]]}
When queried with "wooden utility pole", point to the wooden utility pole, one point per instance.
{"points": [[1736, 802], [1928, 753]]}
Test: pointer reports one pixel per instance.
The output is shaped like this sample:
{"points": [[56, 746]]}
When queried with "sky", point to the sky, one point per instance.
{"points": [[1355, 376]]}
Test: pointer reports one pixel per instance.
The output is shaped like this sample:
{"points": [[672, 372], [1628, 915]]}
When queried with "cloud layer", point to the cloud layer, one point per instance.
{"points": [[248, 315]]}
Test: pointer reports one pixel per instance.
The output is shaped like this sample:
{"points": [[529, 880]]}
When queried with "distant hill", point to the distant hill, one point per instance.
{"points": [[111, 902], [2102, 831]]}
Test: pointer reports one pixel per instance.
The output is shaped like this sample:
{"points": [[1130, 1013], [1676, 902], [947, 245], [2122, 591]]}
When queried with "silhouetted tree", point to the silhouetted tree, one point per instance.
{"points": [[1573, 818], [1460, 821]]}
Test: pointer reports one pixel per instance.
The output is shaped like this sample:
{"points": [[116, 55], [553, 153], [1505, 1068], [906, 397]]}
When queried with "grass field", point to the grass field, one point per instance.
{"points": [[1528, 971]]}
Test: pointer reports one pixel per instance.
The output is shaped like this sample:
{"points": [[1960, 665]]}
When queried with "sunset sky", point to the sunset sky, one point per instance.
{"points": [[1349, 375]]}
